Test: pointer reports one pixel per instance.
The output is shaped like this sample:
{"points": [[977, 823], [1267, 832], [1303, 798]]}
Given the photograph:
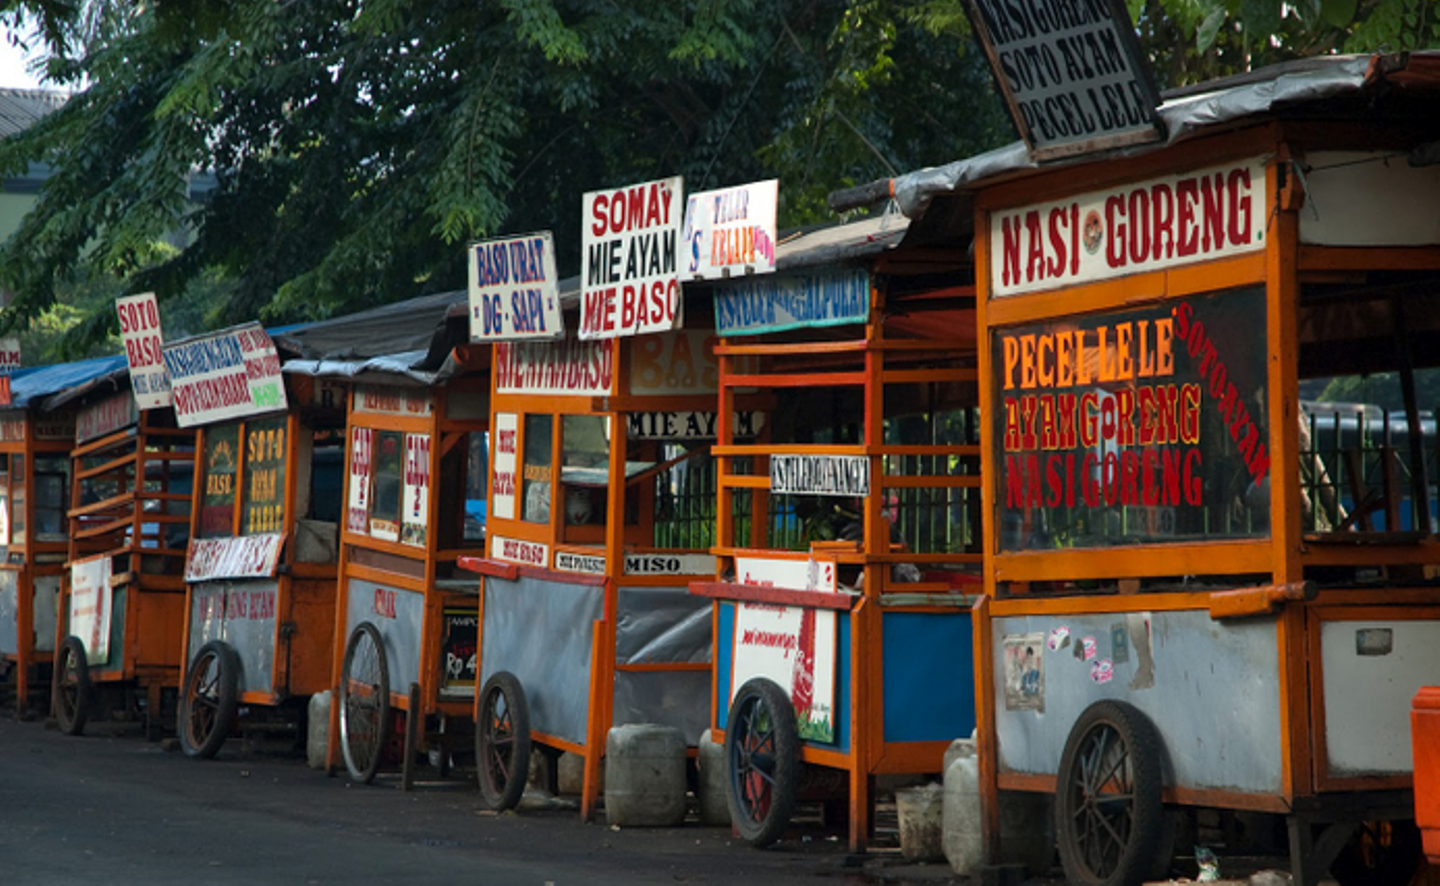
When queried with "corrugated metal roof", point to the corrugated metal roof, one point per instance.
{"points": [[21, 108]]}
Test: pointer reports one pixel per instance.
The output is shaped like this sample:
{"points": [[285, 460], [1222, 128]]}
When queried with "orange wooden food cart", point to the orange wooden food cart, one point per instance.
{"points": [[1203, 589]]}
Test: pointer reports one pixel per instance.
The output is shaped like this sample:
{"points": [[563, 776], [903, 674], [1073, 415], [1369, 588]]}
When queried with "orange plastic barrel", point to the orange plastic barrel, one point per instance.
{"points": [[1425, 742]]}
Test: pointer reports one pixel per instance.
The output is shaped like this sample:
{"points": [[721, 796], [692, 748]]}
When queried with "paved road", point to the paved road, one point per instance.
{"points": [[116, 809]]}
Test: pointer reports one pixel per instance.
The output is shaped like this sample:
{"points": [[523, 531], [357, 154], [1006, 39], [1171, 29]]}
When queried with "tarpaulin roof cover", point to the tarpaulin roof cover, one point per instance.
{"points": [[30, 385], [1291, 88]]}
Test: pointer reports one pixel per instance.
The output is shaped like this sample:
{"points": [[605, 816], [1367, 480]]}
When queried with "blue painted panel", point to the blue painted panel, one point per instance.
{"points": [[929, 678], [724, 649], [842, 685]]}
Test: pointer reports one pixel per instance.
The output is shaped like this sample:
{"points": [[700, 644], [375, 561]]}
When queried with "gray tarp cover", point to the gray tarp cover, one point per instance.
{"points": [[663, 626]]}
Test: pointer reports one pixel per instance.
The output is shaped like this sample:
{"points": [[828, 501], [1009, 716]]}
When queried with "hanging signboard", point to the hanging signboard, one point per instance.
{"points": [[687, 425], [106, 416], [561, 367], [1210, 213], [9, 362], [629, 278], [586, 564], [514, 290], [415, 517], [144, 349], [502, 482], [838, 475], [790, 301], [457, 651], [90, 596], [516, 550], [394, 400], [1071, 74], [1138, 426], [228, 374], [795, 647], [730, 231], [362, 448], [243, 556]]}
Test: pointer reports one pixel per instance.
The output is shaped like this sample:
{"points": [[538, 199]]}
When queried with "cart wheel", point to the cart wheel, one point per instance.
{"points": [[502, 741], [364, 702], [1108, 818], [72, 686], [210, 701], [762, 748], [1380, 854]]}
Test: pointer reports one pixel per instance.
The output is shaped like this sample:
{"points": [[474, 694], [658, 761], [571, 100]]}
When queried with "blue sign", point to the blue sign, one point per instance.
{"points": [[771, 304]]}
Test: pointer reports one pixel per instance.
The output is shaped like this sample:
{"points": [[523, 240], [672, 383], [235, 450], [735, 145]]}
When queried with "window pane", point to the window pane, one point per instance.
{"points": [[539, 432]]}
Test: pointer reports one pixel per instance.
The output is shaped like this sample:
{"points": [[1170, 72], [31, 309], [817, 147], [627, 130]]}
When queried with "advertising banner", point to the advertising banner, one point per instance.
{"points": [[561, 367], [795, 647], [731, 231], [245, 556], [90, 596], [230, 374], [514, 289], [629, 277], [791, 301], [144, 349]]}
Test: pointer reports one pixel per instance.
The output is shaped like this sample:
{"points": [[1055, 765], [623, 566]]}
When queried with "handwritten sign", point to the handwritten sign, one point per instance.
{"points": [[517, 551], [1161, 223], [106, 417], [795, 647], [561, 367], [791, 301], [837, 475], [1072, 74], [629, 278], [514, 290], [229, 374], [244, 556], [687, 425], [731, 231], [362, 456], [144, 349], [502, 479], [415, 515], [90, 598], [569, 561]]}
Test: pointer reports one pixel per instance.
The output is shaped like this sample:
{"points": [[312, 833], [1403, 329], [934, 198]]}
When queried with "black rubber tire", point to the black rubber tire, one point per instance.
{"points": [[762, 758], [502, 741], [71, 688], [1382, 853], [209, 701], [1109, 822], [364, 702]]}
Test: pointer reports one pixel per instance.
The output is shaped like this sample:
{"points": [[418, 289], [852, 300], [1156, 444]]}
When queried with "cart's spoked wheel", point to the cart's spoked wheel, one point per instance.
{"points": [[72, 686], [1380, 853], [1108, 817], [210, 700], [364, 702], [761, 750], [502, 741]]}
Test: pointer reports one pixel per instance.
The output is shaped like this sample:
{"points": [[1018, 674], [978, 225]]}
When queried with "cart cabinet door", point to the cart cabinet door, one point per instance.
{"points": [[1211, 689], [1370, 669]]}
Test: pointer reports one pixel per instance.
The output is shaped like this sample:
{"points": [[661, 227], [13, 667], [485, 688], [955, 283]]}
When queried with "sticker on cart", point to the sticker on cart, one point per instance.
{"points": [[1102, 671], [1058, 639], [1025, 672], [795, 647], [1087, 649], [1119, 644]]}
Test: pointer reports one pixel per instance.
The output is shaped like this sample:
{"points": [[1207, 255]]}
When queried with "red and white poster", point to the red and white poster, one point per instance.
{"points": [[731, 231], [630, 278], [416, 514], [795, 647], [560, 367], [362, 448], [90, 596], [244, 556], [502, 481], [144, 349], [515, 550], [233, 373]]}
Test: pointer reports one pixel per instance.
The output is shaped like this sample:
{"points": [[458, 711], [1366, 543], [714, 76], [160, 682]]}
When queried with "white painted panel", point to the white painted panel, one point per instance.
{"points": [[1367, 697], [1356, 198]]}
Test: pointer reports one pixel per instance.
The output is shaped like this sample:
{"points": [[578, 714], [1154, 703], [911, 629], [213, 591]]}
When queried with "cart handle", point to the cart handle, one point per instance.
{"points": [[1261, 600]]}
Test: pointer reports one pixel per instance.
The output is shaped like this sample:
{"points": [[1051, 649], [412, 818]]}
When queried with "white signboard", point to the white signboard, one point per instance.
{"points": [[514, 290], [790, 301], [687, 425], [1147, 226], [394, 400], [731, 231], [629, 279], [9, 362], [561, 367], [1072, 73], [246, 556], [794, 575], [664, 563], [90, 598], [229, 374], [517, 550], [362, 454], [144, 349], [795, 647], [838, 475], [416, 514], [106, 416], [568, 561], [502, 480]]}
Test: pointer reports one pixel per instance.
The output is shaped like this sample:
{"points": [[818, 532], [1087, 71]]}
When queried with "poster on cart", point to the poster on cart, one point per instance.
{"points": [[90, 599], [502, 492], [795, 647], [416, 514], [244, 556], [357, 514], [514, 290], [144, 349], [629, 276], [233, 373], [731, 231]]}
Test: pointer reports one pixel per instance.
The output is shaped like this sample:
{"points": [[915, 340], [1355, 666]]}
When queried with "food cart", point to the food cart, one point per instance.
{"points": [[1201, 591], [261, 563], [848, 539], [34, 496], [122, 601], [413, 488]]}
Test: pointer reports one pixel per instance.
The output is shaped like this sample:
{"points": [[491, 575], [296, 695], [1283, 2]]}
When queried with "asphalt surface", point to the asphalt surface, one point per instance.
{"points": [[108, 808]]}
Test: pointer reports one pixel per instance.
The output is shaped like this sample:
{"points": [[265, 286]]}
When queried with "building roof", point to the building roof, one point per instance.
{"points": [[22, 108]]}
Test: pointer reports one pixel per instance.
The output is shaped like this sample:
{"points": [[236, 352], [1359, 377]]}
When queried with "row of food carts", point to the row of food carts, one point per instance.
{"points": [[1065, 487]]}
